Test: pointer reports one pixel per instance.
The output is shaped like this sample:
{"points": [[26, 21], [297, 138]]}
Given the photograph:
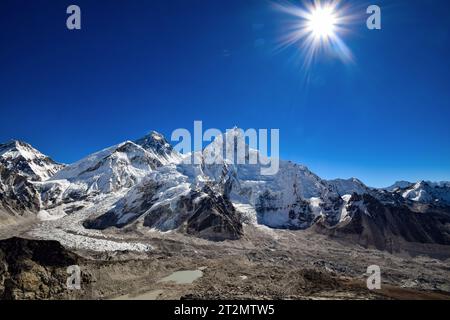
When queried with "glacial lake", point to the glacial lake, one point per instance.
{"points": [[179, 277], [183, 277]]}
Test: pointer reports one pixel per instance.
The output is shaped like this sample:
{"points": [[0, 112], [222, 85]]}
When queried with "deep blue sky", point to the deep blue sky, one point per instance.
{"points": [[159, 65]]}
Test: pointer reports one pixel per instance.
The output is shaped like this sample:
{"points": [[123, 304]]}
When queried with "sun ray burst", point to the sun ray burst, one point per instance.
{"points": [[317, 29]]}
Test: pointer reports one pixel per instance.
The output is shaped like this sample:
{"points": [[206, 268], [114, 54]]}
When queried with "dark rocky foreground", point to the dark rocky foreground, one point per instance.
{"points": [[34, 269]]}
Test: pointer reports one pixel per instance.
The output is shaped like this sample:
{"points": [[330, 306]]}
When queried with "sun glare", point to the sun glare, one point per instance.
{"points": [[316, 29], [321, 22]]}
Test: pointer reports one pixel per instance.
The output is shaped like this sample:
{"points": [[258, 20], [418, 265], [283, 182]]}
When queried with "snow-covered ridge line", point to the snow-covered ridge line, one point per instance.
{"points": [[153, 184], [21, 158]]}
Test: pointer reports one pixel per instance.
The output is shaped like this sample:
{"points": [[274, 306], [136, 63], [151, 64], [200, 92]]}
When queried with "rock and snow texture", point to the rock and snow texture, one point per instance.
{"points": [[399, 185], [287, 199], [113, 169], [151, 185], [384, 226], [82, 242], [21, 167], [170, 200], [424, 192], [195, 198], [159, 147], [428, 192], [349, 186], [20, 158]]}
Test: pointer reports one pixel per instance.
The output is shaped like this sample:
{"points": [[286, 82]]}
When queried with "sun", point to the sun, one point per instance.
{"points": [[321, 22], [317, 29]]}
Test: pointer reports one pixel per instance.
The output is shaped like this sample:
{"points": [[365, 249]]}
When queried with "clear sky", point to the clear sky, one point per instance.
{"points": [[159, 65]]}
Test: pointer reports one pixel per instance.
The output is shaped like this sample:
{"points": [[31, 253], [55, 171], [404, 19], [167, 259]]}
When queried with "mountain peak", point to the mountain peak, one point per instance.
{"points": [[427, 192], [348, 186], [21, 158], [15, 145], [157, 144], [112, 169], [229, 137], [398, 185], [152, 136]]}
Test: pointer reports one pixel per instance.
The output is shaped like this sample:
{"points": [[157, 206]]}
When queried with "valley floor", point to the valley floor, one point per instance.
{"points": [[265, 264]]}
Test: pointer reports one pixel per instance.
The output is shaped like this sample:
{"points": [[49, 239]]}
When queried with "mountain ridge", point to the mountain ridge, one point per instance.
{"points": [[155, 188]]}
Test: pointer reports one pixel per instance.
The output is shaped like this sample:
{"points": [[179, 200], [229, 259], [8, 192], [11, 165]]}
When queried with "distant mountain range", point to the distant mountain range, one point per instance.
{"points": [[153, 187]]}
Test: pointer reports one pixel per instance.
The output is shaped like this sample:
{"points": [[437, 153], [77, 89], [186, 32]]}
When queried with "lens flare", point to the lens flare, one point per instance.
{"points": [[316, 29]]}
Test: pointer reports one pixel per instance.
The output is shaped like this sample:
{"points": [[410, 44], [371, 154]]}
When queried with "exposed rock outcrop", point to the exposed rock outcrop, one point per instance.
{"points": [[384, 226], [35, 269]]}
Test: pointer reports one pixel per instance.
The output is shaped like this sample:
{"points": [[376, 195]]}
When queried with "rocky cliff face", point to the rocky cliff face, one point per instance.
{"points": [[384, 226], [22, 159], [18, 196], [425, 192], [174, 205], [21, 167], [31, 269], [291, 198]]}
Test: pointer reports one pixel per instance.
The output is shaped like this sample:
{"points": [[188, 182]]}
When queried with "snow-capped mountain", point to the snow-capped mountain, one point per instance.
{"points": [[179, 197], [159, 147], [150, 185], [399, 185], [349, 186], [427, 192], [374, 223], [21, 166], [292, 198], [167, 200], [110, 170], [20, 158]]}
